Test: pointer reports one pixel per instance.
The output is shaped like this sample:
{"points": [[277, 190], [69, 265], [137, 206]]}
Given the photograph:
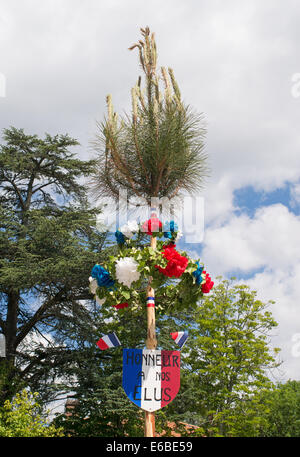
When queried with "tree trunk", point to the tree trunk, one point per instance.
{"points": [[7, 365], [11, 324]]}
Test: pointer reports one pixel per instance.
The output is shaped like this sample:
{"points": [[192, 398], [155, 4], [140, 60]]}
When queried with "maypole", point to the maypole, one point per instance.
{"points": [[156, 154]]}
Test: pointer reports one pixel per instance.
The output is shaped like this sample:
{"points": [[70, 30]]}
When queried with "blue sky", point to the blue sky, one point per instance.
{"points": [[248, 199], [236, 63]]}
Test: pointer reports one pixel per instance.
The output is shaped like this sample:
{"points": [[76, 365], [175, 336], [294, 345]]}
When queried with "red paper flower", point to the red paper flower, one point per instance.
{"points": [[121, 305], [208, 285], [176, 263], [152, 225]]}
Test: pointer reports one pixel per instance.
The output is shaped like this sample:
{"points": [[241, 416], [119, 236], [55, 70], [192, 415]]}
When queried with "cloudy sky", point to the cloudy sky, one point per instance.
{"points": [[238, 62]]}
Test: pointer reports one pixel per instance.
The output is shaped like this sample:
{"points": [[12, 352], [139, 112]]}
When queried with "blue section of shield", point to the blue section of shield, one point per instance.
{"points": [[132, 380]]}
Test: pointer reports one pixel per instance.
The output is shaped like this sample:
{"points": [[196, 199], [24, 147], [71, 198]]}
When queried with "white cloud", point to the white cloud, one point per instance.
{"points": [[295, 195], [269, 241], [284, 288], [218, 201], [233, 62]]}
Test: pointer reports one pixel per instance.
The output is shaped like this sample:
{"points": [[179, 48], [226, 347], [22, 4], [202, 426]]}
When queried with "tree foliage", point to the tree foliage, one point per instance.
{"points": [[224, 370], [157, 150], [230, 357], [281, 410], [48, 237], [21, 418]]}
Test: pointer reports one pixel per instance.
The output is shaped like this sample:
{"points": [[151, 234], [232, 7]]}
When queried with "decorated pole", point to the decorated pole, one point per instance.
{"points": [[156, 154], [151, 341]]}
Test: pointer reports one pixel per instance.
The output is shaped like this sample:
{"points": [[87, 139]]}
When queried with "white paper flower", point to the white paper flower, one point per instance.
{"points": [[126, 271], [129, 229], [93, 285]]}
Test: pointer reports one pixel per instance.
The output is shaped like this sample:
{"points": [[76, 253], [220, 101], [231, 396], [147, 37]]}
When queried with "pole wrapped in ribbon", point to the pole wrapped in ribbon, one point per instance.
{"points": [[150, 302]]}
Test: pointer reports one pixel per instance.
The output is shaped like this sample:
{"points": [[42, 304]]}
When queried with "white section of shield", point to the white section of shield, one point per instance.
{"points": [[151, 385]]}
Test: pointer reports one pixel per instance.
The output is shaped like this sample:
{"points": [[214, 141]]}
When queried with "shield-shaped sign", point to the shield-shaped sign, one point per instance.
{"points": [[151, 378]]}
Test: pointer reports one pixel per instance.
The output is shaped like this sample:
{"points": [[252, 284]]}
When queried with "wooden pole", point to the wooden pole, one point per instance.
{"points": [[151, 343]]}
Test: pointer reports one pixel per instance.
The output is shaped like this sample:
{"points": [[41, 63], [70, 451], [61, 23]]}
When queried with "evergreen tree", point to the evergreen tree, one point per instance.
{"points": [[47, 239]]}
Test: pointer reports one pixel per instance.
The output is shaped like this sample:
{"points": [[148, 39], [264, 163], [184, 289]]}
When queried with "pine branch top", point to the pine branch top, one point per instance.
{"points": [[157, 150]]}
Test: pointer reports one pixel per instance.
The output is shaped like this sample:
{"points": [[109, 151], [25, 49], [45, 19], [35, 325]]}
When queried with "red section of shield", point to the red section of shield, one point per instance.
{"points": [[170, 376]]}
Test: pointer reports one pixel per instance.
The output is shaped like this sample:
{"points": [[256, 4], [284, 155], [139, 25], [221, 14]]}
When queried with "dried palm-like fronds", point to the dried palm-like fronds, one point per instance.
{"points": [[158, 150]]}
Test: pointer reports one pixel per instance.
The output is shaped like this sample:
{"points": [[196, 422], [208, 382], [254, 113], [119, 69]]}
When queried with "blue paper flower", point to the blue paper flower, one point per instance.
{"points": [[197, 273], [102, 277], [173, 228], [120, 237]]}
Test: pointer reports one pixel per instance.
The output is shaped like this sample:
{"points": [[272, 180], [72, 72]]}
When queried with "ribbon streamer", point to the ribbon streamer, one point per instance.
{"points": [[180, 337], [150, 302], [108, 341]]}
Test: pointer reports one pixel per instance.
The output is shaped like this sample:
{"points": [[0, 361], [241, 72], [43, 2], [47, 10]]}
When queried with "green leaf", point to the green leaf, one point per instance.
{"points": [[125, 294]]}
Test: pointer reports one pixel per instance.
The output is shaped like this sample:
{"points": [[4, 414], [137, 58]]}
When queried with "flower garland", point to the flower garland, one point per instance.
{"points": [[153, 225], [121, 283], [102, 277], [208, 285], [121, 305], [129, 229], [198, 273], [150, 227], [176, 263], [126, 271], [120, 237], [173, 228]]}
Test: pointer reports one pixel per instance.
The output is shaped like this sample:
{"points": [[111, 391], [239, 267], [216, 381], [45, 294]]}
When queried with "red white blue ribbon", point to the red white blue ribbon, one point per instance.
{"points": [[150, 302]]}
